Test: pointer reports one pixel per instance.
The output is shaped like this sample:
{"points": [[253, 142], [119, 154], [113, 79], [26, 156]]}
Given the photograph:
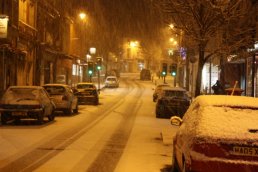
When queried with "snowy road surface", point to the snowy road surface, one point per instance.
{"points": [[121, 134]]}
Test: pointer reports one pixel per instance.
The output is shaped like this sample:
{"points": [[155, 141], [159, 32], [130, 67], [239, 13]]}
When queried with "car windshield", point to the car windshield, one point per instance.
{"points": [[21, 93], [55, 90], [174, 94], [83, 86]]}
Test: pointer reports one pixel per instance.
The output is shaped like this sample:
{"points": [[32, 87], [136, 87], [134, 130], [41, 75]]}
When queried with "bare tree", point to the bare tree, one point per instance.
{"points": [[204, 20]]}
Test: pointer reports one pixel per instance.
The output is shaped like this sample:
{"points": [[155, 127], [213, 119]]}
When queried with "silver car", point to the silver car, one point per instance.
{"points": [[19, 102], [111, 81], [63, 97]]}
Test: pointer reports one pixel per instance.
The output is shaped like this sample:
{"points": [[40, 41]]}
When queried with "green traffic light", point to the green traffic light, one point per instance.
{"points": [[163, 73], [99, 67], [173, 73], [90, 72]]}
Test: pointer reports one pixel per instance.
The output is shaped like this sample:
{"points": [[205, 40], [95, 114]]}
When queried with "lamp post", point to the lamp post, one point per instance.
{"points": [[134, 50], [175, 30], [92, 52], [81, 19]]}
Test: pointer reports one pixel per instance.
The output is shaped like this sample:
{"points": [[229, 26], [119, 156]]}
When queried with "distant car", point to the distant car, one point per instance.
{"points": [[217, 133], [87, 93], [157, 91], [172, 101], [19, 102], [145, 74], [63, 97], [111, 81]]}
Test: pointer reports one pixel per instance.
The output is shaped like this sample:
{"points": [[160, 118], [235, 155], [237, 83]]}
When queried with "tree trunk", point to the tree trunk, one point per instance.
{"points": [[199, 72]]}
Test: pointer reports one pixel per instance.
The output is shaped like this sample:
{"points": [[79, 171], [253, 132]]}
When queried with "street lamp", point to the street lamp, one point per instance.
{"points": [[171, 26], [82, 16], [134, 44]]}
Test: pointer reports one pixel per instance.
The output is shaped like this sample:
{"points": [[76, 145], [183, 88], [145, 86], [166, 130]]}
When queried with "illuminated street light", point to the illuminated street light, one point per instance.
{"points": [[82, 15], [171, 26], [88, 57], [92, 50], [173, 41], [134, 44]]}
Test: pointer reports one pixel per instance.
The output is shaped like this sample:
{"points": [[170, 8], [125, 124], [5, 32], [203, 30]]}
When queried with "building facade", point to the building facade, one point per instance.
{"points": [[35, 40]]}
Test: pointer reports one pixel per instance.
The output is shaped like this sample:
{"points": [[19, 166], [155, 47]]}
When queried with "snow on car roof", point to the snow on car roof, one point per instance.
{"points": [[161, 85], [85, 83], [226, 100], [174, 88], [34, 87], [111, 77], [64, 85], [225, 117]]}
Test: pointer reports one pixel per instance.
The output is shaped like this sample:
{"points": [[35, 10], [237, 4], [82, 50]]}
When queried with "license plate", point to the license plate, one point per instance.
{"points": [[19, 113], [245, 151]]}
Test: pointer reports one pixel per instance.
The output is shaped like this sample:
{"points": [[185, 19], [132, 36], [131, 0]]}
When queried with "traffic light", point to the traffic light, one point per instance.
{"points": [[173, 69], [90, 68], [99, 63], [164, 69]]}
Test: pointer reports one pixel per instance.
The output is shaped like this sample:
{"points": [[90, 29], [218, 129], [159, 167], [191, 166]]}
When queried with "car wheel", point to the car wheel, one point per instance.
{"points": [[97, 102], [40, 118], [158, 115], [184, 167], [159, 111], [51, 117], [68, 111], [17, 121], [76, 109], [4, 118], [174, 167]]}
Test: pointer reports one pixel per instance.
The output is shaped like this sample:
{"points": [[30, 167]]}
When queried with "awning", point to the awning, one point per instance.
{"points": [[14, 50]]}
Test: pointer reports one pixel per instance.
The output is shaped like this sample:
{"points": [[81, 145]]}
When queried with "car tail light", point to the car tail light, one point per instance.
{"points": [[65, 97]]}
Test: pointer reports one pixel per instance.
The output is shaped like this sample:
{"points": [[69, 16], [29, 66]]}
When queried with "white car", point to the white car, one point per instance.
{"points": [[63, 97], [217, 133], [21, 102], [111, 81]]}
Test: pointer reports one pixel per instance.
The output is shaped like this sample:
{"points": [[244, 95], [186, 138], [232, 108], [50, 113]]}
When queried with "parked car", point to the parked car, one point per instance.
{"points": [[111, 81], [145, 74], [172, 101], [157, 91], [87, 93], [217, 133], [19, 102], [63, 97]]}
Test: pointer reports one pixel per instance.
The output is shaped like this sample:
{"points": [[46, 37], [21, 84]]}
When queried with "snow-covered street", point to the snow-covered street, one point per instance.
{"points": [[121, 134]]}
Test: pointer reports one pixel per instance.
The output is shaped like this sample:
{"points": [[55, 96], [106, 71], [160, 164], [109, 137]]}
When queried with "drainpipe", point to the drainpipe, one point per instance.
{"points": [[253, 76], [3, 70]]}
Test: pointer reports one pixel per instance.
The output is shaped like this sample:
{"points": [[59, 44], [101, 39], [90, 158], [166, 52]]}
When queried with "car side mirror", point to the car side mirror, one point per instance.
{"points": [[175, 120]]}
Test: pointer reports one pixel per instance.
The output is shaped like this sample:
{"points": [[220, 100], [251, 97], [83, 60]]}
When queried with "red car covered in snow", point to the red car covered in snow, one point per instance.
{"points": [[217, 134]]}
